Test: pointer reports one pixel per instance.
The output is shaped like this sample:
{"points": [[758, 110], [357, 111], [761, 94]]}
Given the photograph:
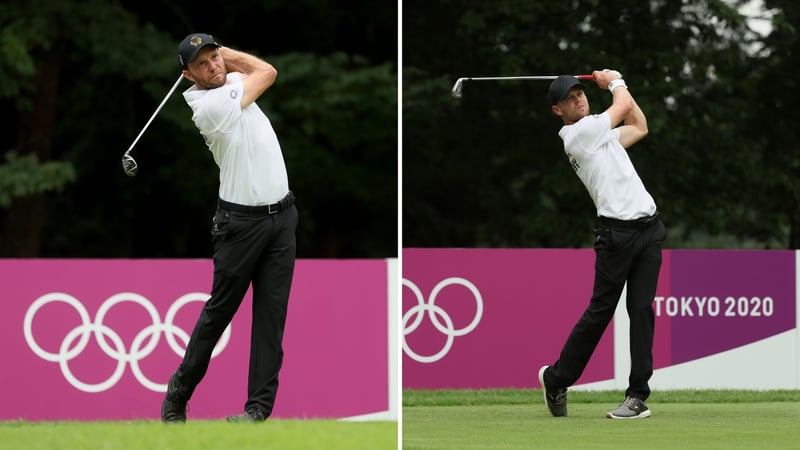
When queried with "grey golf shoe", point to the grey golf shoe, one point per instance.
{"points": [[631, 408], [555, 399], [251, 415]]}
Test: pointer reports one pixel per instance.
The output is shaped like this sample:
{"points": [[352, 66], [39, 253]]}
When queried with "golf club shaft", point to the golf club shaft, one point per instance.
{"points": [[456, 91], [169, 94], [533, 77]]}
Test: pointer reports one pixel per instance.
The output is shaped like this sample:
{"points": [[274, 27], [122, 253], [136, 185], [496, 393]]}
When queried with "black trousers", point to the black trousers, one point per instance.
{"points": [[629, 254], [248, 247]]}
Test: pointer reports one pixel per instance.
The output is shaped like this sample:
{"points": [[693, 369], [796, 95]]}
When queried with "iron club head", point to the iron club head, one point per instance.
{"points": [[457, 88], [129, 165]]}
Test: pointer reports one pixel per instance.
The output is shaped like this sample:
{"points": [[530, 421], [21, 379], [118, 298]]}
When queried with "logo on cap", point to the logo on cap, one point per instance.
{"points": [[196, 40]]}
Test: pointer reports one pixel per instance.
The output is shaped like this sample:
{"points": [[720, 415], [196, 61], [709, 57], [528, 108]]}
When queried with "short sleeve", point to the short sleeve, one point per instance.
{"points": [[591, 134], [221, 107]]}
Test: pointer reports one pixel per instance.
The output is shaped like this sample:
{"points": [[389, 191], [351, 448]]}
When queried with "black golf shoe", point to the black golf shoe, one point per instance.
{"points": [[173, 409], [555, 399]]}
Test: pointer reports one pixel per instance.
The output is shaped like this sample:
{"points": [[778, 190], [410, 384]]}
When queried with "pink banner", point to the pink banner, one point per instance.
{"points": [[480, 318], [489, 318], [98, 339]]}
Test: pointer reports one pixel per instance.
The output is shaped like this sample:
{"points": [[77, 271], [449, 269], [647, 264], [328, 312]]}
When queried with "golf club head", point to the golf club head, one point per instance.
{"points": [[129, 165], [457, 88]]}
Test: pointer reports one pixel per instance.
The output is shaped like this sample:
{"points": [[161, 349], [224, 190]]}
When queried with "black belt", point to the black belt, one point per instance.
{"points": [[274, 208], [642, 222]]}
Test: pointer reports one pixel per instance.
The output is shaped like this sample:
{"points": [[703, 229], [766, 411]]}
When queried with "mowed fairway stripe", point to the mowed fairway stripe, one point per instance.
{"points": [[672, 426], [273, 434]]}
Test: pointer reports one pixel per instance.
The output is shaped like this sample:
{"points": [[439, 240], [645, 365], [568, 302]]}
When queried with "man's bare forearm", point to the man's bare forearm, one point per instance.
{"points": [[257, 74], [238, 61], [636, 117]]}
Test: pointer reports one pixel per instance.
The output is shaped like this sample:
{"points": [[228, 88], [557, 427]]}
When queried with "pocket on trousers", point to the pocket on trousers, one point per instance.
{"points": [[602, 239], [220, 224]]}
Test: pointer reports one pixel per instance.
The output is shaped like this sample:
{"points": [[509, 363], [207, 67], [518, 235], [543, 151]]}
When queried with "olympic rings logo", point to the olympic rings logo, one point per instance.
{"points": [[418, 311], [139, 350]]}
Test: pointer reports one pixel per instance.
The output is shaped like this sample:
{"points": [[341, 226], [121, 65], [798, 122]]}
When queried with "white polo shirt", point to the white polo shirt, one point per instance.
{"points": [[604, 167], [251, 167]]}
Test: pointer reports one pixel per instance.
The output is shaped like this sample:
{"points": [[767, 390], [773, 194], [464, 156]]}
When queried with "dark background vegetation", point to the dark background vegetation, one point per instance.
{"points": [[79, 80], [722, 158]]}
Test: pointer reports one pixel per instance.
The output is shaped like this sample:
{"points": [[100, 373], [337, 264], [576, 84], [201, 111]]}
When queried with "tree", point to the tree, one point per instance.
{"points": [[93, 72], [491, 172], [776, 162]]}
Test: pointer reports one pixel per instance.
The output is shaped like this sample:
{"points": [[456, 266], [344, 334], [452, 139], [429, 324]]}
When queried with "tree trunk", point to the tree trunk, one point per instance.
{"points": [[794, 228], [21, 224]]}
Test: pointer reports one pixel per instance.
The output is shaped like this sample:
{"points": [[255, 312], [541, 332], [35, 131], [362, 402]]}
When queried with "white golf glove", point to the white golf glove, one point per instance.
{"points": [[613, 72]]}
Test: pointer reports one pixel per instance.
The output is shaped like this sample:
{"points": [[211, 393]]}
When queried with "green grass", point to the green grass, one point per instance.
{"points": [[199, 435], [518, 419]]}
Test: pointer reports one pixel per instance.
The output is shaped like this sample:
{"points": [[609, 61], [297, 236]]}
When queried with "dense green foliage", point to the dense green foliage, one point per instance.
{"points": [[81, 79], [722, 158], [23, 177]]}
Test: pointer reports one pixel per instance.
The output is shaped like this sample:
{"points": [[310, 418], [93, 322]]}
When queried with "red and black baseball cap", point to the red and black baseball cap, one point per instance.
{"points": [[560, 87], [191, 45]]}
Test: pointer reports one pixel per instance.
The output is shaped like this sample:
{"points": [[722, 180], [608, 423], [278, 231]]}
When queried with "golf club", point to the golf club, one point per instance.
{"points": [[459, 83], [128, 163]]}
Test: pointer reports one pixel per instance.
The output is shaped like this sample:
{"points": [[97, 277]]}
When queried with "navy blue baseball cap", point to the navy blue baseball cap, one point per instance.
{"points": [[191, 45], [560, 87]]}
